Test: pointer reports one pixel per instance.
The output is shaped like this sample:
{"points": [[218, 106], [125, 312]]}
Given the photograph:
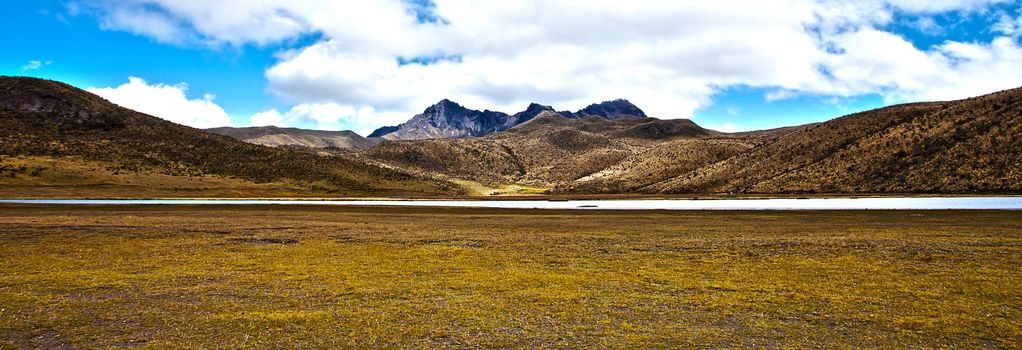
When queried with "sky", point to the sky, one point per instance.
{"points": [[730, 65]]}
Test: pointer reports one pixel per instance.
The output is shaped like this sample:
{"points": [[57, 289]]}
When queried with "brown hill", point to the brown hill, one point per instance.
{"points": [[546, 151], [276, 136], [965, 146], [626, 128], [658, 163], [89, 138]]}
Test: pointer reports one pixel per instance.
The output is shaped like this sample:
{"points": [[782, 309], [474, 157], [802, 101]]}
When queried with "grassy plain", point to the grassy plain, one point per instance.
{"points": [[313, 277]]}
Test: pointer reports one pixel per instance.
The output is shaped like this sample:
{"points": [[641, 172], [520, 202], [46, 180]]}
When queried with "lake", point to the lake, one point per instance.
{"points": [[895, 203]]}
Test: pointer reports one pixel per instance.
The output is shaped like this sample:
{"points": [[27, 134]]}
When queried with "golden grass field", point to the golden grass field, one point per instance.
{"points": [[325, 277]]}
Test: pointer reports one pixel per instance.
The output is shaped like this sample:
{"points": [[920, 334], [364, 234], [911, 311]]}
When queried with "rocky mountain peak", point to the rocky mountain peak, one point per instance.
{"points": [[444, 104], [444, 109]]}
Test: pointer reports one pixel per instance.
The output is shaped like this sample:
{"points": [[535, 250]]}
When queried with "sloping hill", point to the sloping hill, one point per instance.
{"points": [[547, 150], [275, 136], [42, 120], [965, 146], [658, 163], [476, 159], [629, 129]]}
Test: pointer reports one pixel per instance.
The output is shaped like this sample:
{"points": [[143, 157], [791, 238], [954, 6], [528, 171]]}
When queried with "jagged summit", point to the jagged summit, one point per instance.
{"points": [[447, 119], [444, 105]]}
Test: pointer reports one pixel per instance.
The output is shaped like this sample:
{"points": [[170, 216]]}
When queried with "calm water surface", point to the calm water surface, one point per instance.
{"points": [[932, 203]]}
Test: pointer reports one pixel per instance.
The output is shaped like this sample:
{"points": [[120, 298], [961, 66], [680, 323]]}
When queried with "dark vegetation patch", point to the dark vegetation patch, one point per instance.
{"points": [[261, 240]]}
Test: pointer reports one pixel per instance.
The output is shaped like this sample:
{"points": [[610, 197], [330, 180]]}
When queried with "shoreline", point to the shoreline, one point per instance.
{"points": [[761, 204], [552, 198]]}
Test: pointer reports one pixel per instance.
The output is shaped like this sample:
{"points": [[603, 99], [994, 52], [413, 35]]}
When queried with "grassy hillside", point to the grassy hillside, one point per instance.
{"points": [[659, 163], [51, 120], [546, 151], [967, 146]]}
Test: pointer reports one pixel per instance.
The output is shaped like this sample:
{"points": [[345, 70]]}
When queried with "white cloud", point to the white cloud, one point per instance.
{"points": [[141, 21], [266, 118], [1009, 26], [327, 116], [670, 58], [725, 127], [34, 65], [872, 61], [169, 102]]}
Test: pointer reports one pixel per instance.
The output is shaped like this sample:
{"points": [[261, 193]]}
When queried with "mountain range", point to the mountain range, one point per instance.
{"points": [[59, 139], [447, 119]]}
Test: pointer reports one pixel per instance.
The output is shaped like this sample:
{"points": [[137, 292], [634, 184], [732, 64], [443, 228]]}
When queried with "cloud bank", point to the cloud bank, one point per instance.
{"points": [[169, 102], [377, 59]]}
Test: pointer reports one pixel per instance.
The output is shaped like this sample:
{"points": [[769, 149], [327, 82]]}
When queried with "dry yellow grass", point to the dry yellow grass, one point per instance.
{"points": [[310, 277], [73, 177], [477, 189]]}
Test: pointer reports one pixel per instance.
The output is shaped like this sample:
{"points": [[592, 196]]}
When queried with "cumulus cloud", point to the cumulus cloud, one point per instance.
{"points": [[393, 57], [169, 102]]}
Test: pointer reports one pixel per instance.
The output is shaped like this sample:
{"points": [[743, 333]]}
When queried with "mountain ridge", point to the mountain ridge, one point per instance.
{"points": [[448, 119]]}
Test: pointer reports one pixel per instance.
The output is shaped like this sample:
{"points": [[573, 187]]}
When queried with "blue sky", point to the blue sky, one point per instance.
{"points": [[352, 65]]}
